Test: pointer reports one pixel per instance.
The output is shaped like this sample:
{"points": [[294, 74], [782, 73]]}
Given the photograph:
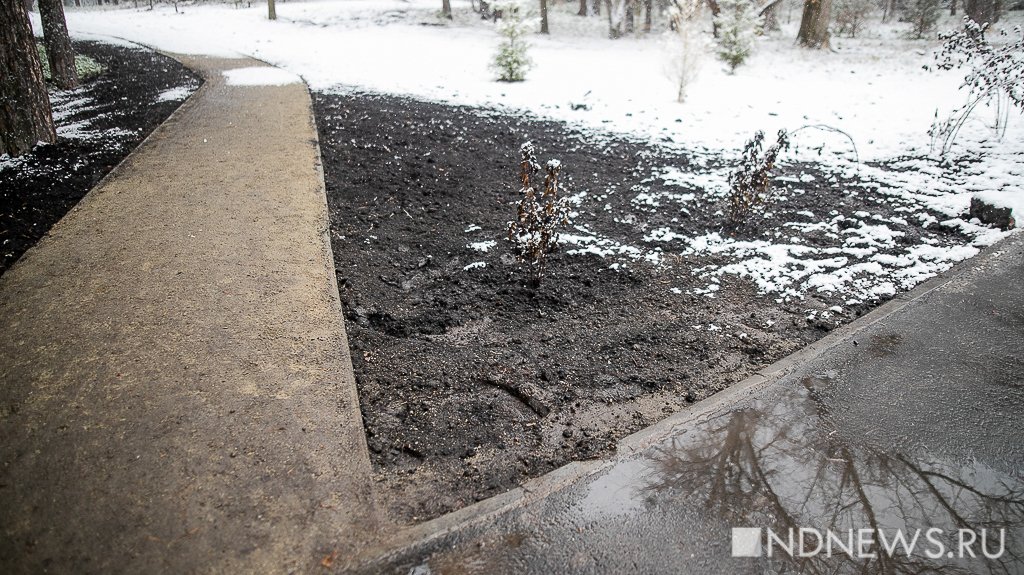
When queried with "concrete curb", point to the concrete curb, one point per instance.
{"points": [[539, 488]]}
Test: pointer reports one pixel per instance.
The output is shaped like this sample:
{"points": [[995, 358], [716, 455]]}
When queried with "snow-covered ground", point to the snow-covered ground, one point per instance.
{"points": [[874, 88]]}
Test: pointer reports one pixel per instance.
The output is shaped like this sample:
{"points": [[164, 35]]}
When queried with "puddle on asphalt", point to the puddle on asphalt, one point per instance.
{"points": [[884, 345], [779, 463]]}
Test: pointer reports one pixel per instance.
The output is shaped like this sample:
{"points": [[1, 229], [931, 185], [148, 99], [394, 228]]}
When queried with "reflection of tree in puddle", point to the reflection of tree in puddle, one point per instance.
{"points": [[780, 464]]}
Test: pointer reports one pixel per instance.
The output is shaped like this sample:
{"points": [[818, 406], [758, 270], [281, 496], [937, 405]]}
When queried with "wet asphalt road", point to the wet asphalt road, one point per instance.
{"points": [[914, 422]]}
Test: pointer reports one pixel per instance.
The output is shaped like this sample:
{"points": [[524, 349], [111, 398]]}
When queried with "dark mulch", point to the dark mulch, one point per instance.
{"points": [[471, 382], [38, 188]]}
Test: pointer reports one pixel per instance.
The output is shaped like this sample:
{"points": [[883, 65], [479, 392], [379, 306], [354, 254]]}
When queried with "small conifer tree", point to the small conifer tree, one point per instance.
{"points": [[511, 62], [924, 15], [738, 23]]}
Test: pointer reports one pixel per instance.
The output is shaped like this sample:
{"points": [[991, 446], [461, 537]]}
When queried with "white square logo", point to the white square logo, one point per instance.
{"points": [[746, 541]]}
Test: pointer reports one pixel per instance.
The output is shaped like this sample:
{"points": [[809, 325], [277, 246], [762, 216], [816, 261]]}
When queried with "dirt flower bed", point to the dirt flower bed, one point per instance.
{"points": [[471, 382], [98, 124]]}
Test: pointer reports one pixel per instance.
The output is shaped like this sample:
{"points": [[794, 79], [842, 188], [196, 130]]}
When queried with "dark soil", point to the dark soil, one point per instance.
{"points": [[38, 188], [471, 382]]}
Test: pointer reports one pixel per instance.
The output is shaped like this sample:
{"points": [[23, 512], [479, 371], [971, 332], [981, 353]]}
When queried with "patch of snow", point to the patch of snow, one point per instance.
{"points": [[175, 94], [260, 76], [484, 246]]}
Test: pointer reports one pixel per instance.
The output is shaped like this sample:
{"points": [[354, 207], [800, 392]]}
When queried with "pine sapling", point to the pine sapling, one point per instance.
{"points": [[512, 61], [750, 184], [738, 24], [534, 233], [924, 15]]}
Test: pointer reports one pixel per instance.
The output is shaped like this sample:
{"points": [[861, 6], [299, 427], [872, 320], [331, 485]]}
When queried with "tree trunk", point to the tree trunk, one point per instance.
{"points": [[889, 10], [25, 116], [446, 9], [629, 17], [983, 11], [952, 7], [544, 17], [814, 24], [596, 6], [59, 53], [648, 7], [614, 28], [715, 11], [771, 17], [583, 8], [271, 9]]}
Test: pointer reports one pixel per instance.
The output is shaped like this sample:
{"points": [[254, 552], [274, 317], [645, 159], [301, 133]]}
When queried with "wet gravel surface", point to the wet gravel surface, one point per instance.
{"points": [[98, 125]]}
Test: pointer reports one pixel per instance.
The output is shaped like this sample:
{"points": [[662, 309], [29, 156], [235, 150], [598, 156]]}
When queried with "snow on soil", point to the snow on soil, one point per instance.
{"points": [[67, 105], [70, 103], [484, 246], [874, 88], [260, 76], [175, 94]]}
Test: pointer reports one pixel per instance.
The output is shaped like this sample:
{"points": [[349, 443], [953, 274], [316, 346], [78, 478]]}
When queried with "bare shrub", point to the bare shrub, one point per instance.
{"points": [[851, 16], [995, 79], [685, 44], [534, 233], [750, 184]]}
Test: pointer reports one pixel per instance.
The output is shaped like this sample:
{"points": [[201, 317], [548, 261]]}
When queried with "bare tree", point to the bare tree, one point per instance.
{"points": [[25, 116], [686, 46], [814, 24], [785, 461], [616, 12], [544, 17], [983, 11], [446, 9], [271, 9], [852, 15], [770, 15], [59, 53], [889, 9]]}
